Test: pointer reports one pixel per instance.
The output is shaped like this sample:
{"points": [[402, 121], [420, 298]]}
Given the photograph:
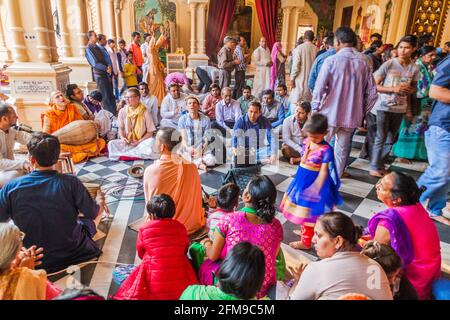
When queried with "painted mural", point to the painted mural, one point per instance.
{"points": [[151, 14], [241, 24], [325, 11]]}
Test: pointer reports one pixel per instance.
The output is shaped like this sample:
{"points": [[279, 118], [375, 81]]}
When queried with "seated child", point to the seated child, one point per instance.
{"points": [[391, 263], [227, 201], [165, 271], [240, 276]]}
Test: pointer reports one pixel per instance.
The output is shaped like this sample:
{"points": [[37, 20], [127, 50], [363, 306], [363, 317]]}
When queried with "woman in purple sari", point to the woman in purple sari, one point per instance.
{"points": [[408, 229]]}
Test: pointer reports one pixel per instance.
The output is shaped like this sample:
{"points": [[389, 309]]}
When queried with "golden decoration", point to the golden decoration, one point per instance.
{"points": [[420, 29], [432, 17], [429, 29], [435, 4], [426, 3]]}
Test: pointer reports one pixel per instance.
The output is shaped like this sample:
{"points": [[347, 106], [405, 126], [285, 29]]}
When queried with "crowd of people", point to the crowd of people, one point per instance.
{"points": [[398, 94]]}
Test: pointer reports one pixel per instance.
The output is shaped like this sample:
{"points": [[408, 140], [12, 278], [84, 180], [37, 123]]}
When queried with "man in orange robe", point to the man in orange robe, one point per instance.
{"points": [[173, 176]]}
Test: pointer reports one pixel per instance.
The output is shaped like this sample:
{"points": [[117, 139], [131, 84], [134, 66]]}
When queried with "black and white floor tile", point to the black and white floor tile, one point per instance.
{"points": [[358, 192]]}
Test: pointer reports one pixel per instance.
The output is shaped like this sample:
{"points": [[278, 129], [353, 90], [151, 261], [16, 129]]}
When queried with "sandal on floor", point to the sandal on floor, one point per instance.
{"points": [[298, 245], [297, 232], [376, 173]]}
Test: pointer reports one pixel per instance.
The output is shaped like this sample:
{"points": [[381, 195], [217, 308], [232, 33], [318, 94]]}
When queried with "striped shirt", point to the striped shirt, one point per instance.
{"points": [[239, 54]]}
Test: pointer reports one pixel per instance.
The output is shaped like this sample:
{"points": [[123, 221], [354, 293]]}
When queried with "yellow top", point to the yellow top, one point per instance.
{"points": [[129, 74]]}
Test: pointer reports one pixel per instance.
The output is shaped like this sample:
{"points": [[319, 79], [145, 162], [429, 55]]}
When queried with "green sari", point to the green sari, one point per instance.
{"points": [[199, 292], [411, 138]]}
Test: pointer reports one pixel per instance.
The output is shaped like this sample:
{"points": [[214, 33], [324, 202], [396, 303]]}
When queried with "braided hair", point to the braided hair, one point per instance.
{"points": [[263, 195]]}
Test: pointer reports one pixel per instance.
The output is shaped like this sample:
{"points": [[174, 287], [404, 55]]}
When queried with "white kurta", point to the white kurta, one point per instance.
{"points": [[261, 82], [9, 167], [302, 60]]}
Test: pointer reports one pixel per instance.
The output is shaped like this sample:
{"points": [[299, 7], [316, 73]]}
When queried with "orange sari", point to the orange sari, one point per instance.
{"points": [[155, 77], [59, 119]]}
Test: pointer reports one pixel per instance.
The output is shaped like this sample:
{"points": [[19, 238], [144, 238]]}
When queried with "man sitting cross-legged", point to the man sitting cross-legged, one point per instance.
{"points": [[55, 211], [195, 129], [177, 178]]}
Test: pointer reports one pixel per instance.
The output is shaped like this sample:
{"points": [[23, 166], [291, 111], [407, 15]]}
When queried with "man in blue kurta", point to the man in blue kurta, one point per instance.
{"points": [[47, 206], [253, 137]]}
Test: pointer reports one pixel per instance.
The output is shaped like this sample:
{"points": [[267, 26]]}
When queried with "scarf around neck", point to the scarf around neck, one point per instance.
{"points": [[136, 121]]}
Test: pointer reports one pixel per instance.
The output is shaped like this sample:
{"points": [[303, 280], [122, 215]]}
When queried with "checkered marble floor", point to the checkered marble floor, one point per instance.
{"points": [[358, 192]]}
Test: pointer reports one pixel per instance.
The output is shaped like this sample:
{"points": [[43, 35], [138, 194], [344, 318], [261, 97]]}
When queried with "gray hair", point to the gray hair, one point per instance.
{"points": [[10, 242], [226, 89], [229, 39]]}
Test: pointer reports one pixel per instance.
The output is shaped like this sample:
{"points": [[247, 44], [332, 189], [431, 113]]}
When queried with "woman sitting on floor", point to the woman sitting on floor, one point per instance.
{"points": [[135, 131], [255, 223], [162, 243], [59, 115], [240, 276], [408, 229], [18, 279], [341, 270]]}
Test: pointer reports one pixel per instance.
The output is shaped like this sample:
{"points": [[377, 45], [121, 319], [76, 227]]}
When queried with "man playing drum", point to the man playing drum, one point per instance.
{"points": [[60, 114]]}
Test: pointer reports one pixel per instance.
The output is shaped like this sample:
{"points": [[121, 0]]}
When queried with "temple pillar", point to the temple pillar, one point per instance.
{"points": [[81, 70], [5, 53], [284, 35], [34, 74], [294, 25], [66, 48], [117, 11], [19, 48], [198, 55], [112, 21]]}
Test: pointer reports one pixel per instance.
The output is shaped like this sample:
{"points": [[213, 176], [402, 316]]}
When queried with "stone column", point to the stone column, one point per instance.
{"points": [[198, 55], [51, 30], [201, 28], [34, 73], [112, 20], [81, 18], [5, 53], [19, 48], [117, 11], [295, 26], [99, 16], [66, 48], [193, 26], [40, 28], [81, 70], [285, 33]]}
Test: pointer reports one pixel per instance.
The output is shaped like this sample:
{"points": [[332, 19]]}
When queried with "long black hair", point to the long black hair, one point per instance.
{"points": [[263, 195], [405, 188], [242, 272], [338, 224]]}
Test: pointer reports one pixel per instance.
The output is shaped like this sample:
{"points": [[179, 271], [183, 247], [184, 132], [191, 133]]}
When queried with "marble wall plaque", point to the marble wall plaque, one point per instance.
{"points": [[32, 86]]}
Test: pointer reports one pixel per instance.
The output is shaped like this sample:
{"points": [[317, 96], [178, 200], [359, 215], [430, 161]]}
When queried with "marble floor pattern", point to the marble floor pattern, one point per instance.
{"points": [[119, 244]]}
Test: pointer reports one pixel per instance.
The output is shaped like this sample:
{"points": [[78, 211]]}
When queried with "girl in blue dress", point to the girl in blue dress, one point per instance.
{"points": [[313, 191]]}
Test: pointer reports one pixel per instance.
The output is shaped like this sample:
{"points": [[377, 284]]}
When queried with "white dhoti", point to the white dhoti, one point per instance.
{"points": [[145, 150], [168, 123], [261, 81], [7, 176], [207, 158]]}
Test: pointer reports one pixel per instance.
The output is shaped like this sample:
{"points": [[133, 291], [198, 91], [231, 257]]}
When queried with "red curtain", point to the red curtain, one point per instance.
{"points": [[267, 15], [219, 18]]}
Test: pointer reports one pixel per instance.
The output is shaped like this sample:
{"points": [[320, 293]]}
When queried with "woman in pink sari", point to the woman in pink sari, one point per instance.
{"points": [[278, 70], [255, 223], [408, 229]]}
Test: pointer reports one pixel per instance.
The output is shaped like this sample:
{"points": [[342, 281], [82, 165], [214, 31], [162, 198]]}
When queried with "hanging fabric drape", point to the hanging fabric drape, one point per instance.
{"points": [[219, 18], [267, 16]]}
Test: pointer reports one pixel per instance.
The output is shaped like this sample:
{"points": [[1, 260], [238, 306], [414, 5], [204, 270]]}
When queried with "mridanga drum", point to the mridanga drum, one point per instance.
{"points": [[77, 133]]}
